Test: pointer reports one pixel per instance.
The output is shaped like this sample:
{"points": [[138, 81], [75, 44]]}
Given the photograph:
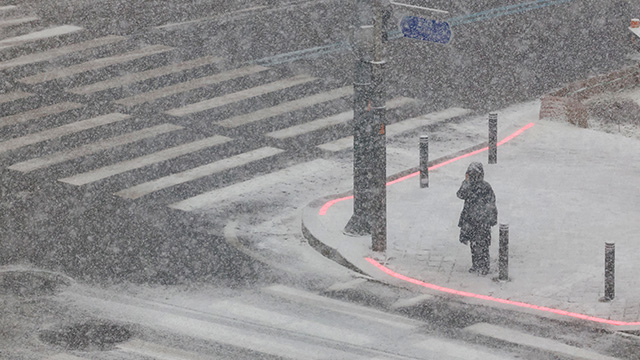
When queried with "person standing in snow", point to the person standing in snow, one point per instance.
{"points": [[478, 215]]}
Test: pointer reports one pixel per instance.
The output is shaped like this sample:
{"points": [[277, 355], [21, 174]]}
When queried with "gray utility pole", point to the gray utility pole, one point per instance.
{"points": [[369, 127]]}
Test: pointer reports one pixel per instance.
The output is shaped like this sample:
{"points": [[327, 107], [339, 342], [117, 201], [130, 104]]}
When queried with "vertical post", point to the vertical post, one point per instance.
{"points": [[503, 259], [359, 222], [424, 161], [609, 271], [493, 138], [378, 217]]}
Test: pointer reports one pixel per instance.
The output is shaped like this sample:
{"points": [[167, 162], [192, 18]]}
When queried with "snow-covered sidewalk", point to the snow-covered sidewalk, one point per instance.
{"points": [[564, 191]]}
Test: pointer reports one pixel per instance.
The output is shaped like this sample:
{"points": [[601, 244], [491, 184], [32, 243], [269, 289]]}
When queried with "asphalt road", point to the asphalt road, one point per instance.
{"points": [[72, 194], [58, 319]]}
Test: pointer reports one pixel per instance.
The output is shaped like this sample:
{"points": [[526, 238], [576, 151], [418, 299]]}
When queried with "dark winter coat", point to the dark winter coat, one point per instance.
{"points": [[479, 211]]}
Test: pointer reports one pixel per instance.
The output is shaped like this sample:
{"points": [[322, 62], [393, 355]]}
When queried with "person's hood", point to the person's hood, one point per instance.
{"points": [[475, 172]]}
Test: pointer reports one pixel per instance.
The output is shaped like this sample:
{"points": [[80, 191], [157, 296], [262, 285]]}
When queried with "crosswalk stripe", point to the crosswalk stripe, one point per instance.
{"points": [[348, 285], [523, 339], [209, 18], [105, 144], [414, 123], [159, 352], [38, 113], [457, 350], [362, 312], [18, 21], [297, 325], [57, 52], [400, 127], [330, 121], [142, 161], [64, 357], [60, 131], [197, 173], [190, 85], [94, 64], [240, 95], [38, 35], [12, 96], [286, 107], [338, 145], [7, 7], [268, 342], [145, 75], [412, 301], [212, 198]]}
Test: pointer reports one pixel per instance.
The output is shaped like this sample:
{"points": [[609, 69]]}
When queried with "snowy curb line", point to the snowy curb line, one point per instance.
{"points": [[317, 244], [366, 269], [313, 229]]}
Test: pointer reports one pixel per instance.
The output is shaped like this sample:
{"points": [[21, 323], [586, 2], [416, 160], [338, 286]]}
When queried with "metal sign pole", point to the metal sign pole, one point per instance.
{"points": [[369, 123], [359, 223], [379, 170]]}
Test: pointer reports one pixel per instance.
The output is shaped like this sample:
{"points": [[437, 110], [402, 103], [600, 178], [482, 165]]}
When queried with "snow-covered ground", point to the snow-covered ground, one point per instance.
{"points": [[616, 113], [563, 190]]}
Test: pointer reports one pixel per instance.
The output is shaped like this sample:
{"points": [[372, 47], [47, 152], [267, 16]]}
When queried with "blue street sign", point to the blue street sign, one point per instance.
{"points": [[425, 29]]}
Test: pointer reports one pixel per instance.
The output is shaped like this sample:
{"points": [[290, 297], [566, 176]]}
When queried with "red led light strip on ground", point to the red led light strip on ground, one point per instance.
{"points": [[327, 205], [494, 299]]}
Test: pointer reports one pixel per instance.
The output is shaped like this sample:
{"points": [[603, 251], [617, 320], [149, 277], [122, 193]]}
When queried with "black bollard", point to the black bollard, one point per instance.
{"points": [[424, 161], [609, 271], [503, 259], [493, 138]]}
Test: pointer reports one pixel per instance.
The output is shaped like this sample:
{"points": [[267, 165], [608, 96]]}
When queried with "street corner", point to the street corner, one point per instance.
{"points": [[315, 225], [324, 233], [323, 224]]}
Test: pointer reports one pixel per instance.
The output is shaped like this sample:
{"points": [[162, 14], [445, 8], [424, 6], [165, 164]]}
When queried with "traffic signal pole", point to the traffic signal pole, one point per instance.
{"points": [[379, 146], [369, 113], [369, 127], [359, 222]]}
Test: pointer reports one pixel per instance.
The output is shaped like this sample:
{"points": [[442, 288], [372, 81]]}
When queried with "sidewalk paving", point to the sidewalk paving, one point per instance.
{"points": [[564, 191]]}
